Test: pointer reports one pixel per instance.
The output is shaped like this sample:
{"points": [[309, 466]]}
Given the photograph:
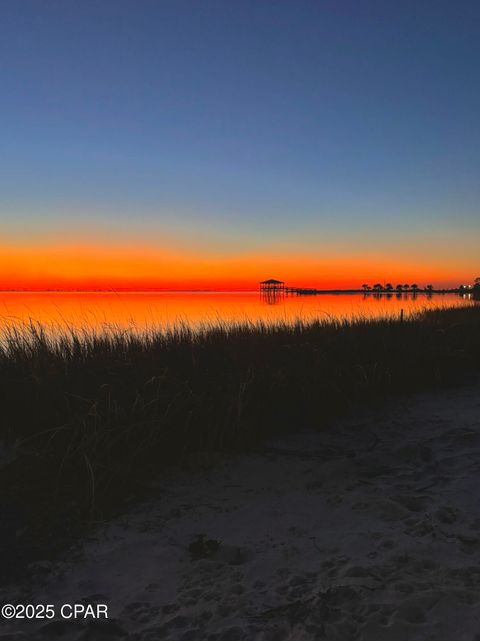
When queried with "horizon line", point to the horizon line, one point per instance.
{"points": [[202, 289]]}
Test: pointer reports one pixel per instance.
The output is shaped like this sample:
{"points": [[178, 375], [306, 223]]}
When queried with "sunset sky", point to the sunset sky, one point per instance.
{"points": [[202, 144]]}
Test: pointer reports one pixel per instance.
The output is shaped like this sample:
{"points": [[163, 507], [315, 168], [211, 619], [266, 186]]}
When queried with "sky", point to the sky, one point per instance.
{"points": [[213, 144]]}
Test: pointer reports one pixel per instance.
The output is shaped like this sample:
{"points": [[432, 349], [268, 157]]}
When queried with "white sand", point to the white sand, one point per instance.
{"points": [[369, 530]]}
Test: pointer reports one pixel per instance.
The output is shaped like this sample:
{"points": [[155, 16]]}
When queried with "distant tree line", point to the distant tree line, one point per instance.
{"points": [[474, 289], [388, 287]]}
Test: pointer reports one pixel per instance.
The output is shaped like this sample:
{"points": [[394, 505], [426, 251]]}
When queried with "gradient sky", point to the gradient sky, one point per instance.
{"points": [[214, 144]]}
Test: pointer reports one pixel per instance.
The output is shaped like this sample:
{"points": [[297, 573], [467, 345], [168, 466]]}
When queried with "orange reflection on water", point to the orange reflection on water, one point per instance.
{"points": [[139, 310]]}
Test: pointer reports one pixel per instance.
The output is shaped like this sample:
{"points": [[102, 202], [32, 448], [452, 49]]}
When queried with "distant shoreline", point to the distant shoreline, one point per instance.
{"points": [[303, 290]]}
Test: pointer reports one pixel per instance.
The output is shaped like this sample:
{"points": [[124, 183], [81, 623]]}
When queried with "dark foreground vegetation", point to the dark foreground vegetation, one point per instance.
{"points": [[89, 421]]}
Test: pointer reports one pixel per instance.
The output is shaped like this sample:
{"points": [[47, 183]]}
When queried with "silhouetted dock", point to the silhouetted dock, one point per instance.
{"points": [[309, 291], [302, 291], [272, 285]]}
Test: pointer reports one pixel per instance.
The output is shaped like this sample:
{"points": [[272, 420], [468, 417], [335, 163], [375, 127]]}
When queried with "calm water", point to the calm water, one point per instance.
{"points": [[140, 310]]}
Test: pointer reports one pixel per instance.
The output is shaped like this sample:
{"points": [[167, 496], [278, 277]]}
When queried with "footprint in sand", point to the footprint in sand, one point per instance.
{"points": [[412, 502], [447, 514], [103, 631], [411, 613]]}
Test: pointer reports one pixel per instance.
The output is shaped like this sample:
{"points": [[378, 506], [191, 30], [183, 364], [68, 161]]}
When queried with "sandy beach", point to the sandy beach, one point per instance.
{"points": [[366, 531]]}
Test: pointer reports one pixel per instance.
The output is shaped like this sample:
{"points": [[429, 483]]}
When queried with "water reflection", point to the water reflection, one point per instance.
{"points": [[272, 296], [103, 310], [401, 295]]}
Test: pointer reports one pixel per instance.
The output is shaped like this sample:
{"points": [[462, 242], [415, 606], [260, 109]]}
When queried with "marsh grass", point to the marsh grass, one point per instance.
{"points": [[90, 419]]}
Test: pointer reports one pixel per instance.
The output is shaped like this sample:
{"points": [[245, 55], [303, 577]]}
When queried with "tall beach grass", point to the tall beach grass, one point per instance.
{"points": [[88, 420]]}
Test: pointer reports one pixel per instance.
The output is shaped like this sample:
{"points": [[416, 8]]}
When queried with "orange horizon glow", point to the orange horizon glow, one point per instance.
{"points": [[91, 268]]}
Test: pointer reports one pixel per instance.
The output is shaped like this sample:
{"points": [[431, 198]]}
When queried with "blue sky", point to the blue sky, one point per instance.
{"points": [[241, 125]]}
